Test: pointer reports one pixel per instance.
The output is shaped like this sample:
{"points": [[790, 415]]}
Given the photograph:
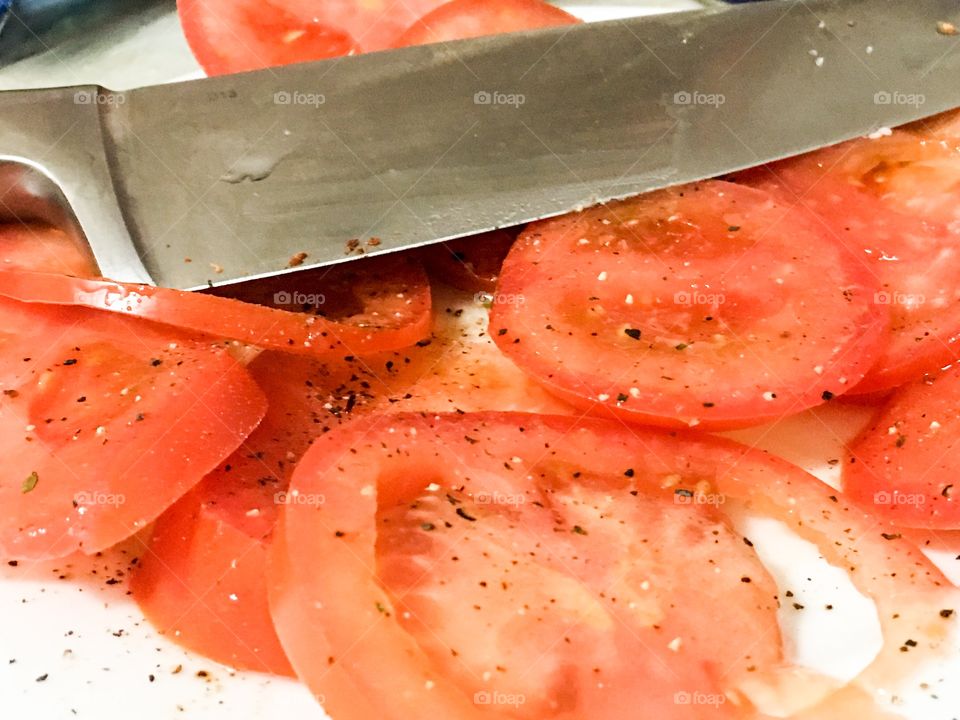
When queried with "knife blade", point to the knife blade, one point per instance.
{"points": [[226, 179]]}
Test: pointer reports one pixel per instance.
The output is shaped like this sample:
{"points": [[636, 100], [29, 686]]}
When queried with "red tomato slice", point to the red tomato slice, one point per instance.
{"points": [[651, 309], [106, 421], [229, 36], [471, 263], [892, 202], [44, 248], [202, 580], [906, 466], [390, 306], [462, 19], [469, 565]]}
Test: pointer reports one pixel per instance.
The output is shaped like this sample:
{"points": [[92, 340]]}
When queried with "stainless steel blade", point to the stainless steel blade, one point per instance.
{"points": [[225, 179]]}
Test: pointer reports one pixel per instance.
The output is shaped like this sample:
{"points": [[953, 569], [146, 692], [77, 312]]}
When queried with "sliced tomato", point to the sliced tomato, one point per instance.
{"points": [[388, 310], [106, 422], [471, 263], [906, 466], [41, 247], [460, 19], [651, 309], [201, 582], [228, 36], [892, 202], [471, 565]]}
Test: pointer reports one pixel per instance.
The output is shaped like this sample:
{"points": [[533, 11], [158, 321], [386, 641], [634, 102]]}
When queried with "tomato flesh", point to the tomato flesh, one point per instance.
{"points": [[40, 247], [106, 422], [229, 37], [461, 19], [390, 310], [891, 201], [650, 308], [905, 466]]}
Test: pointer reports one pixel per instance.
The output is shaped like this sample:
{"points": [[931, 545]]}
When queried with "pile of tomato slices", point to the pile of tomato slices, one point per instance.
{"points": [[479, 480]]}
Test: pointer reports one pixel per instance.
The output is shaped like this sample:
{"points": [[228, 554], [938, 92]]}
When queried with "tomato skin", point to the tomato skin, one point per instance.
{"points": [[903, 468], [349, 637], [461, 19], [394, 311], [890, 202], [632, 309], [106, 422]]}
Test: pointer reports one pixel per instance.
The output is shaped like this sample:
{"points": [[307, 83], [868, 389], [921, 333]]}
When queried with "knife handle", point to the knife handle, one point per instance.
{"points": [[54, 158]]}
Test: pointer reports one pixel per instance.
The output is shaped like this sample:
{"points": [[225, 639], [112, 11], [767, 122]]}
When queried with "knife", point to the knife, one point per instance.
{"points": [[232, 178]]}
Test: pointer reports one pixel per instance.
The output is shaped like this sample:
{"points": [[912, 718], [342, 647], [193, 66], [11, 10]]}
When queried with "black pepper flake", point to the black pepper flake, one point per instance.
{"points": [[156, 362], [709, 404], [681, 346], [684, 492], [797, 606], [746, 541], [733, 228], [501, 332], [946, 613], [901, 441], [428, 526], [827, 395], [629, 472], [621, 398], [890, 536], [11, 393], [745, 579], [13, 563], [465, 515], [339, 533], [577, 530], [71, 361], [424, 343], [632, 333], [43, 677]]}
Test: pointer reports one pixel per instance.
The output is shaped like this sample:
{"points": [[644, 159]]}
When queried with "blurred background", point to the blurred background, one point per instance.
{"points": [[127, 43]]}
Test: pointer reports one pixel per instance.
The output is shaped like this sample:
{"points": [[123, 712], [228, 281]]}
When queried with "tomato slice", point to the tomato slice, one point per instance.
{"points": [[390, 306], [650, 308], [461, 565], [892, 202], [228, 36], [201, 581], [41, 247], [107, 421], [471, 263], [905, 467], [460, 19]]}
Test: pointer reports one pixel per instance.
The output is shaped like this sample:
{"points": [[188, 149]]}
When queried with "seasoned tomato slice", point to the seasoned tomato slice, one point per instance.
{"points": [[891, 201], [228, 36], [461, 19], [472, 565], [471, 263], [106, 421], [202, 580], [906, 466], [384, 304], [41, 247], [652, 308]]}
